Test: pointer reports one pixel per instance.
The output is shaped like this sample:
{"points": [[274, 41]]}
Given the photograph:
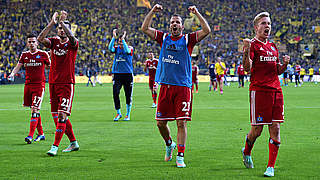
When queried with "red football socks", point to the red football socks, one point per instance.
{"points": [[181, 149], [33, 125], [69, 131], [154, 97], [39, 126], [61, 127], [55, 118], [273, 152]]}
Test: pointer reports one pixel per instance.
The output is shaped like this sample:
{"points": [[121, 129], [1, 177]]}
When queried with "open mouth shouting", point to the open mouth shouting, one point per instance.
{"points": [[175, 30], [266, 32]]}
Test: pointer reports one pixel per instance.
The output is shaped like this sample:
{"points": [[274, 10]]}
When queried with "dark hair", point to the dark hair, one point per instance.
{"points": [[31, 35], [67, 23]]}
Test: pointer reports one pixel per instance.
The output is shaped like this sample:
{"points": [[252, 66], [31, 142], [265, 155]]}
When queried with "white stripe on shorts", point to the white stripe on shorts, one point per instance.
{"points": [[253, 107], [71, 98]]}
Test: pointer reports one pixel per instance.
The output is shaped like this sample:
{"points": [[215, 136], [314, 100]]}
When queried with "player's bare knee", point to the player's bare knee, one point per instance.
{"points": [[161, 124], [181, 124], [256, 131], [34, 110]]}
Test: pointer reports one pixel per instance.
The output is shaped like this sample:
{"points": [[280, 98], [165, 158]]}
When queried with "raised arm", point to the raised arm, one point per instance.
{"points": [[111, 44], [42, 36], [73, 40], [125, 45], [146, 25], [247, 63], [282, 67], [204, 24]]}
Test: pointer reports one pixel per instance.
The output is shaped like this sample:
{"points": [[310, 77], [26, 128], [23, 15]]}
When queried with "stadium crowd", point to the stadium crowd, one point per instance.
{"points": [[294, 24]]}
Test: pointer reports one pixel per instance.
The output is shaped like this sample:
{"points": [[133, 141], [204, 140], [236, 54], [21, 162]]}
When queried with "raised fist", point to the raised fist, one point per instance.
{"points": [[55, 17], [63, 16], [193, 9], [114, 32], [157, 8]]}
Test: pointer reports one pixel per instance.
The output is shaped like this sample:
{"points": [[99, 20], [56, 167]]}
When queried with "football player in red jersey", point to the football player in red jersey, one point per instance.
{"points": [[240, 72], [174, 74], [34, 62], [195, 72], [261, 59], [64, 49], [151, 64]]}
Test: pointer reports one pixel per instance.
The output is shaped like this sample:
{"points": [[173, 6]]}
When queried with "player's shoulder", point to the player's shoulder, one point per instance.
{"points": [[43, 52], [154, 59], [24, 53]]}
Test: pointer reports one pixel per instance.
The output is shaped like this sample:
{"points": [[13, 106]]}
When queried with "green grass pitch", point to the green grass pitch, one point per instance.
{"points": [[135, 149]]}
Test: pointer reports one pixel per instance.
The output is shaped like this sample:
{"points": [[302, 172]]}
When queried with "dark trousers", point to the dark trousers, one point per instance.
{"points": [[297, 78], [119, 80], [241, 80]]}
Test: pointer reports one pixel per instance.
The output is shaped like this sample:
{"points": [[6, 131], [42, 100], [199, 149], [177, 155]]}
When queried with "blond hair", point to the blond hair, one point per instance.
{"points": [[259, 16]]}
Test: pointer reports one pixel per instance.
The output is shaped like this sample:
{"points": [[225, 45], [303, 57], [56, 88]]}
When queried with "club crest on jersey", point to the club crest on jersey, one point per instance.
{"points": [[173, 47], [66, 44], [273, 49], [38, 56]]}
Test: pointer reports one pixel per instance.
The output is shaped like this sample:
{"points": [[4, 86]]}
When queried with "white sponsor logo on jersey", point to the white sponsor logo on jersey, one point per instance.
{"points": [[170, 60], [60, 52]]}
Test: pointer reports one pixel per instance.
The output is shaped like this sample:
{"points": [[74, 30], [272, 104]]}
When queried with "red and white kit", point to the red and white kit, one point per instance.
{"points": [[61, 77], [175, 102], [34, 64], [266, 98], [195, 70], [152, 64]]}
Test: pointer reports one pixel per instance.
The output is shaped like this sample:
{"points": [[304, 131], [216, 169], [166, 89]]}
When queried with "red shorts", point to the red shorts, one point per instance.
{"points": [[33, 95], [266, 107], [174, 103], [61, 97], [219, 77]]}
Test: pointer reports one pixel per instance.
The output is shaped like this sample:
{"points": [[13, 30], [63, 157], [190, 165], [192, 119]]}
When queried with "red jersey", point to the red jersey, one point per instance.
{"points": [[240, 70], [34, 64], [195, 70], [63, 56], [298, 69], [152, 67], [264, 73]]}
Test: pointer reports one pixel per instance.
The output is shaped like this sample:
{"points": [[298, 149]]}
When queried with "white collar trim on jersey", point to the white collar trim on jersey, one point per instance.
{"points": [[261, 41]]}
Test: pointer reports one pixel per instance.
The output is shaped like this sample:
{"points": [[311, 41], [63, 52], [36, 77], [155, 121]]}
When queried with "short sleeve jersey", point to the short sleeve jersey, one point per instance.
{"points": [[152, 67], [240, 70], [219, 69], [264, 73], [211, 70], [63, 57], [34, 64]]}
